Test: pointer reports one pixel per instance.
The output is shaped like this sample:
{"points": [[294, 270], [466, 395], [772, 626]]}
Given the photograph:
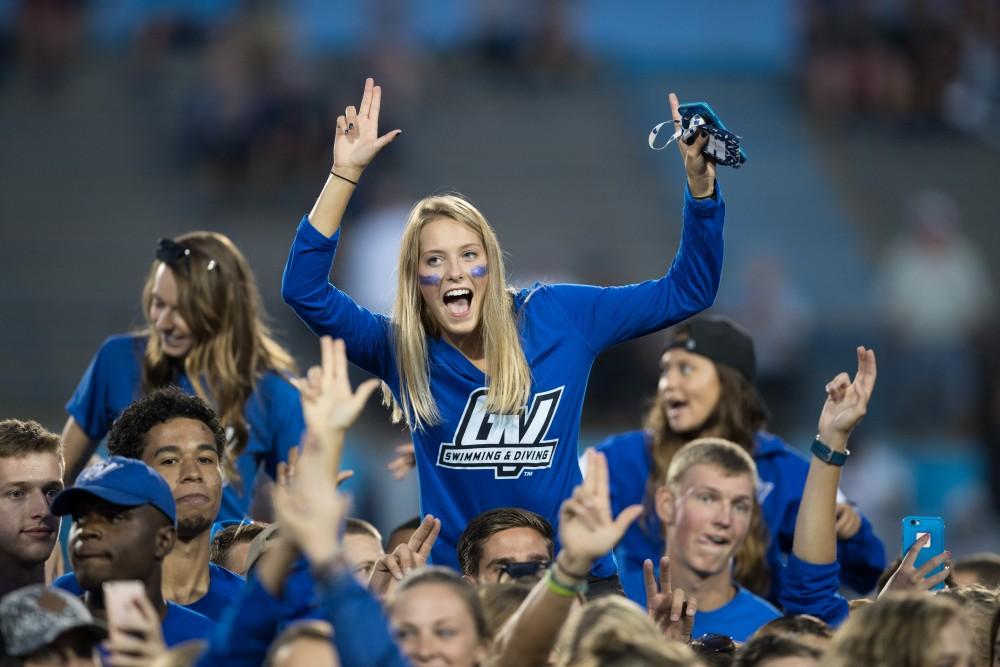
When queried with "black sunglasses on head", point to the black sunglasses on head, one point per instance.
{"points": [[714, 643], [169, 251]]}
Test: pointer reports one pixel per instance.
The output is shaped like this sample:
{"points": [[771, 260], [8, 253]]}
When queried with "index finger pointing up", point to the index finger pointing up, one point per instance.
{"points": [[675, 111]]}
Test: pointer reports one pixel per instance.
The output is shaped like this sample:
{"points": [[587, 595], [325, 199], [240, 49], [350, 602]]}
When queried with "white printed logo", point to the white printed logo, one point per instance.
{"points": [[509, 444]]}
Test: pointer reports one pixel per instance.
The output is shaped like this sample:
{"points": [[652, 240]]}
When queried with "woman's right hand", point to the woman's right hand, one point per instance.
{"points": [[357, 141]]}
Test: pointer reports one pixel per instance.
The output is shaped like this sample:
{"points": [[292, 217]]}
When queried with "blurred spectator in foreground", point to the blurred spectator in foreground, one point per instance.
{"points": [[935, 293]]}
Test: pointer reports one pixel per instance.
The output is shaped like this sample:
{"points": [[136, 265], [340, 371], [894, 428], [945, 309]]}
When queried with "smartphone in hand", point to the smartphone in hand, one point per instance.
{"points": [[916, 526], [121, 600]]}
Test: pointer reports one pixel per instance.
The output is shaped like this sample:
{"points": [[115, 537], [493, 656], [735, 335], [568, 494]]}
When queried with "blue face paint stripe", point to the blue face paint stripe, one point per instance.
{"points": [[478, 271], [430, 281]]}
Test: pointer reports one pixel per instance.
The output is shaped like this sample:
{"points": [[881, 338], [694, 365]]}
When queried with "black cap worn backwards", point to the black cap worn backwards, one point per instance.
{"points": [[721, 340]]}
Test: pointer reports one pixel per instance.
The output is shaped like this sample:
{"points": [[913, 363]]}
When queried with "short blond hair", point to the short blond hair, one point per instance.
{"points": [[719, 452]]}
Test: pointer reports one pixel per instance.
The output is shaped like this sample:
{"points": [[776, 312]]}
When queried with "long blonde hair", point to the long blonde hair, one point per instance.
{"points": [[218, 298], [509, 380]]}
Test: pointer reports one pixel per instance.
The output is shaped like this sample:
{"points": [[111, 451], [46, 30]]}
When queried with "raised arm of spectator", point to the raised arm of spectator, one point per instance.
{"points": [[356, 143], [813, 572], [587, 531]]}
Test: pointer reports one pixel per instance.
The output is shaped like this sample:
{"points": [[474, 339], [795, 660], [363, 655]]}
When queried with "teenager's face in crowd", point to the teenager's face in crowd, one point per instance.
{"points": [[174, 333], [689, 389], [708, 519], [435, 628], [183, 451], [955, 647], [28, 483], [362, 550], [452, 274], [110, 542], [514, 545]]}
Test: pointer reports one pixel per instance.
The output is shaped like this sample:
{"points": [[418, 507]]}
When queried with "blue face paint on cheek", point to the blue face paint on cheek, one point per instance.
{"points": [[478, 271], [430, 281]]}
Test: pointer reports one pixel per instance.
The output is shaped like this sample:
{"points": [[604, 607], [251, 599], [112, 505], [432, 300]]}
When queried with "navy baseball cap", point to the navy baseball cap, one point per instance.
{"points": [[121, 481]]}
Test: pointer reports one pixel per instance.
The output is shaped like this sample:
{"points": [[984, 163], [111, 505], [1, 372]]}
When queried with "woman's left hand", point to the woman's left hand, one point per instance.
{"points": [[847, 401], [699, 167]]}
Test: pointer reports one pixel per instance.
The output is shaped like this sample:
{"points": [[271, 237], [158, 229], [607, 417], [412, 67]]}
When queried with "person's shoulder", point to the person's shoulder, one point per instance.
{"points": [[523, 295], [272, 383], [220, 576], [623, 443], [68, 583], [125, 344], [753, 604], [769, 445]]}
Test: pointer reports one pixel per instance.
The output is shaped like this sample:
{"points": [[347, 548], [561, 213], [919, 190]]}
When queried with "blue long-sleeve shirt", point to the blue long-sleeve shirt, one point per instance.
{"points": [[813, 589], [361, 631], [473, 461]]}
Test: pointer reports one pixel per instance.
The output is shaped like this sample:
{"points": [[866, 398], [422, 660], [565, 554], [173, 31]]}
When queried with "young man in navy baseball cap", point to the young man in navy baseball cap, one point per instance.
{"points": [[124, 525]]}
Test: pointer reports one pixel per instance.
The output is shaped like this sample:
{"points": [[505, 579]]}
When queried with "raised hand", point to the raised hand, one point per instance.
{"points": [[587, 530], [700, 169], [908, 578], [847, 401], [357, 140], [669, 608], [405, 461], [391, 567], [310, 510], [328, 402]]}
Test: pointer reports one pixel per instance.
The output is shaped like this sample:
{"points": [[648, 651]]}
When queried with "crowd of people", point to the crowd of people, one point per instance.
{"points": [[215, 532]]}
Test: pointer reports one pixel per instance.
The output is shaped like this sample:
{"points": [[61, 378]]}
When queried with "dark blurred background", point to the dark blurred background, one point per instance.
{"points": [[866, 214]]}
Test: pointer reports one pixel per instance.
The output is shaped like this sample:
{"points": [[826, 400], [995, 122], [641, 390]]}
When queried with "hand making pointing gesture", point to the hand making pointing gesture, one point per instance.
{"points": [[357, 140]]}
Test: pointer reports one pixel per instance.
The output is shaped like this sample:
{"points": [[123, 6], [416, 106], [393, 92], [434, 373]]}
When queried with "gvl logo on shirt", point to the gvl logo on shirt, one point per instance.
{"points": [[509, 444]]}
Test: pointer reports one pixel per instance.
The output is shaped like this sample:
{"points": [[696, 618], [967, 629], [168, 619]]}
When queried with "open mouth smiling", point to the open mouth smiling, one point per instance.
{"points": [[458, 302]]}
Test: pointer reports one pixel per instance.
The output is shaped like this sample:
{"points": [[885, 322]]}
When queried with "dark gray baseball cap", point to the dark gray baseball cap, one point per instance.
{"points": [[35, 616]]}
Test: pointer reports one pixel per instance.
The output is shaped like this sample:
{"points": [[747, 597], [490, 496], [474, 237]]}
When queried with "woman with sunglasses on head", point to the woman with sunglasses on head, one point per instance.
{"points": [[490, 380], [205, 333], [706, 389]]}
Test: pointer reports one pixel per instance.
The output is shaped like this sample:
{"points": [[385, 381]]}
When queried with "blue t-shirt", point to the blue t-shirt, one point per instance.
{"points": [[781, 473], [181, 625], [473, 461], [273, 412], [739, 618], [223, 588]]}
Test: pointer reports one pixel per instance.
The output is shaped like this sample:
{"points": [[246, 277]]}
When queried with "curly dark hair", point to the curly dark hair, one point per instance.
{"points": [[127, 436]]}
